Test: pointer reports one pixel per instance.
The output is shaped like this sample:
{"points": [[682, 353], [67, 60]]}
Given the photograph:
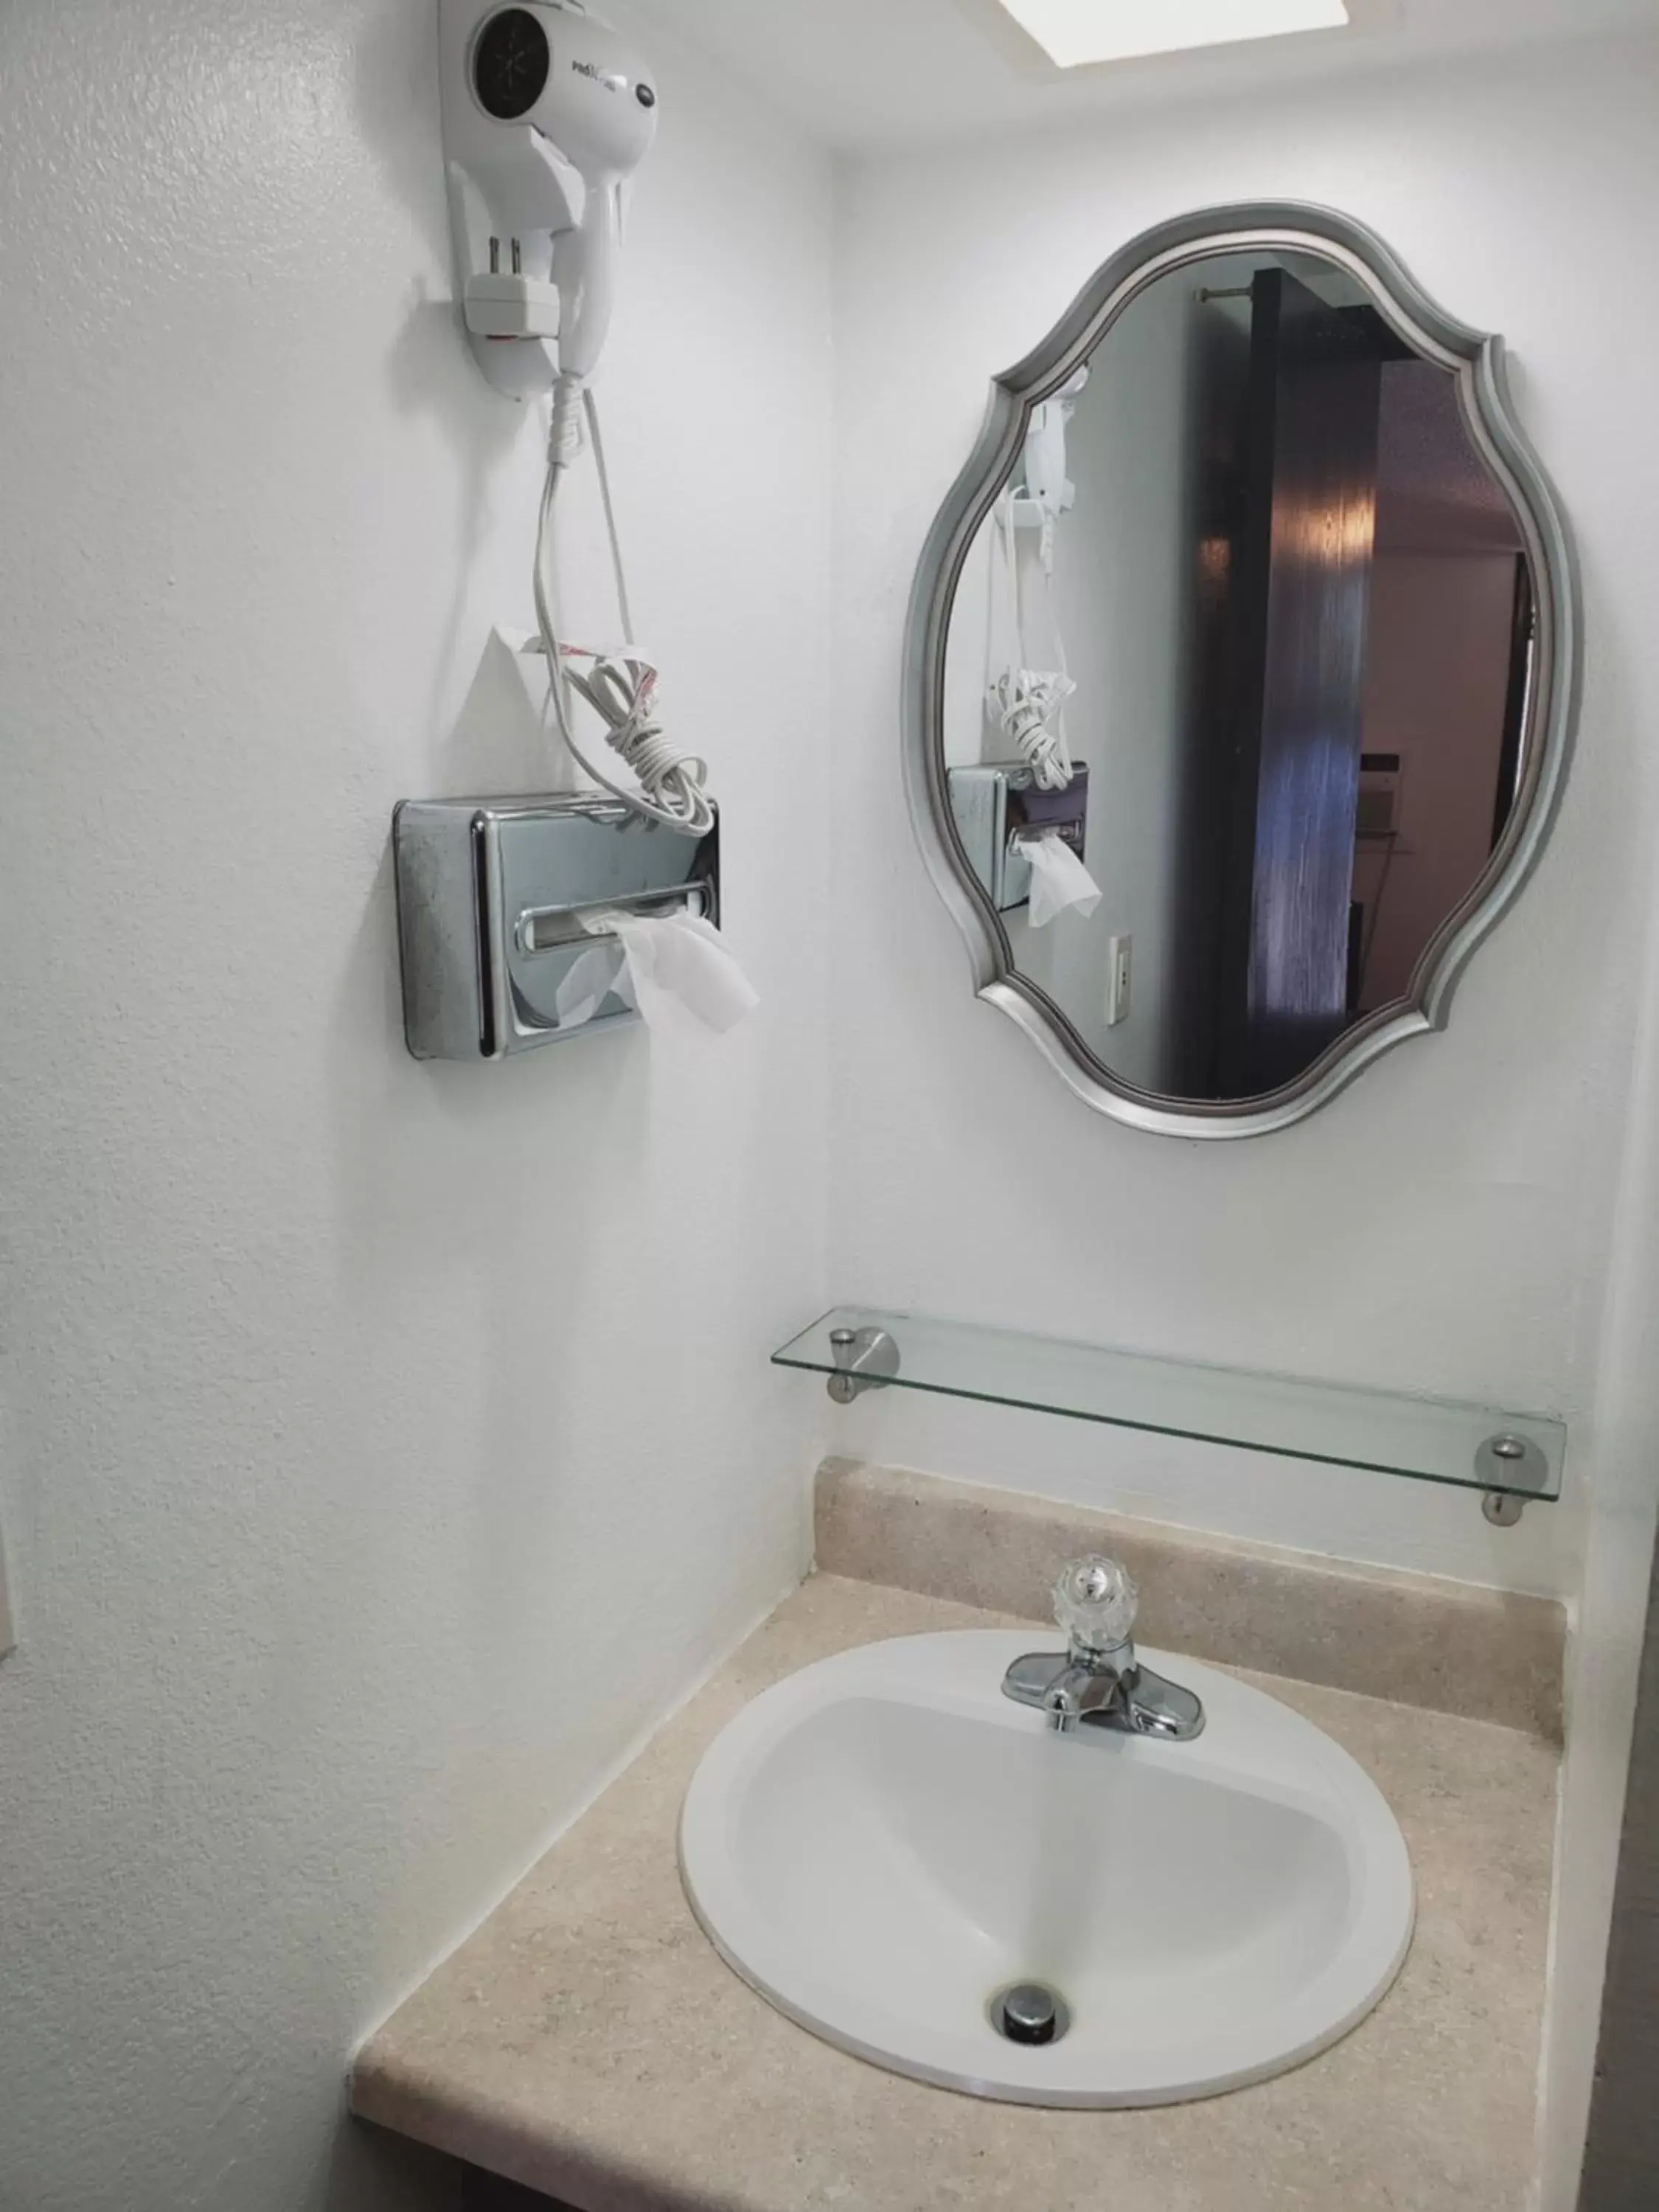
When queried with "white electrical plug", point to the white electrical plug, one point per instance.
{"points": [[512, 308]]}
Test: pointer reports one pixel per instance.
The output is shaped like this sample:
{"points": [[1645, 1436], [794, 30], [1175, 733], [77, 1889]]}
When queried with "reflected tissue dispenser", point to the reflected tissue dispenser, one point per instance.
{"points": [[998, 808], [498, 899]]}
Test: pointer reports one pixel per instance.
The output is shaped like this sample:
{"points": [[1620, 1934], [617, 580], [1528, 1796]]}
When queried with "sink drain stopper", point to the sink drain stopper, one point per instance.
{"points": [[1030, 2013]]}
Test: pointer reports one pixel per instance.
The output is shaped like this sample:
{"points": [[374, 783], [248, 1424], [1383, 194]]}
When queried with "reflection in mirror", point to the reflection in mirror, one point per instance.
{"points": [[1237, 689]]}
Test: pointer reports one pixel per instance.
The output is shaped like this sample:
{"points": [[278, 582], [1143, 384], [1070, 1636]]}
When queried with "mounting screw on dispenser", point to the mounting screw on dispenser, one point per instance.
{"points": [[866, 1358]]}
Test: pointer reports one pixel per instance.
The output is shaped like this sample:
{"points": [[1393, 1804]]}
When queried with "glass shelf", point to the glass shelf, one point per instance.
{"points": [[1428, 1439]]}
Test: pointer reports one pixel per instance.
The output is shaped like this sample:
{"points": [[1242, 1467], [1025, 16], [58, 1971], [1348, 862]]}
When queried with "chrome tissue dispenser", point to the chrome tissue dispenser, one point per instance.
{"points": [[492, 895]]}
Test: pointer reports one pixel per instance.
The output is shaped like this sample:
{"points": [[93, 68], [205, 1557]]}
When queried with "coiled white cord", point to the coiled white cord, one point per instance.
{"points": [[620, 686], [1028, 703]]}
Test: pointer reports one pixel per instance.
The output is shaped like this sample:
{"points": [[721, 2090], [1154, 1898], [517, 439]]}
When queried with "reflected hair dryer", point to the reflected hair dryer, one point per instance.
{"points": [[546, 112]]}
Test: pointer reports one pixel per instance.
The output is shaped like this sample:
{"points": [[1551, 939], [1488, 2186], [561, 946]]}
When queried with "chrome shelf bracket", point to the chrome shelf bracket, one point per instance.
{"points": [[1509, 1460], [865, 1359]]}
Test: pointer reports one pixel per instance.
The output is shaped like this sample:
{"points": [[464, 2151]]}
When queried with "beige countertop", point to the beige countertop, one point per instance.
{"points": [[588, 2040]]}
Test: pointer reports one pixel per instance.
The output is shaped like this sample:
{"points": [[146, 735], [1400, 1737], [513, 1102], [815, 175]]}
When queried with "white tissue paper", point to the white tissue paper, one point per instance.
{"points": [[651, 962], [1058, 879], [589, 982]]}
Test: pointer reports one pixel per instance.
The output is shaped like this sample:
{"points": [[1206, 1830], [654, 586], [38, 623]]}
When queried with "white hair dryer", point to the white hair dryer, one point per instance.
{"points": [[546, 111]]}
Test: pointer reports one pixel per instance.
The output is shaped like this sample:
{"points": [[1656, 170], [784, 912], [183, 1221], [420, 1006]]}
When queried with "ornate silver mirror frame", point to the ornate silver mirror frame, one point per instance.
{"points": [[1477, 363]]}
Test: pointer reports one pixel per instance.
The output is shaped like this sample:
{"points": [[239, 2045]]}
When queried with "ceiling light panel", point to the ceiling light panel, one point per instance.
{"points": [[1073, 32]]}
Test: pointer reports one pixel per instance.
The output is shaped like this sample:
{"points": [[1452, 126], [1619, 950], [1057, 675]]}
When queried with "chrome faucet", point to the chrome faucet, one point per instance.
{"points": [[1097, 1678]]}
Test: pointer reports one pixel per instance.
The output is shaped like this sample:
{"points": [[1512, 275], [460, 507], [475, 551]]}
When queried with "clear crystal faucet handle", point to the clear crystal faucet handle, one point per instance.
{"points": [[1095, 1602]]}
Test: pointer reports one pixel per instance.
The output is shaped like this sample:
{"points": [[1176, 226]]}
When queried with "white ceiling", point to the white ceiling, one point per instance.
{"points": [[864, 75]]}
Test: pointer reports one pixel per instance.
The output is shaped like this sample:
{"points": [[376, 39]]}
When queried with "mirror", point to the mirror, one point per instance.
{"points": [[1240, 670]]}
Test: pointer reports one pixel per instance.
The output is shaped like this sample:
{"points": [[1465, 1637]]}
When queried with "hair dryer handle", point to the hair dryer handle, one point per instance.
{"points": [[585, 262]]}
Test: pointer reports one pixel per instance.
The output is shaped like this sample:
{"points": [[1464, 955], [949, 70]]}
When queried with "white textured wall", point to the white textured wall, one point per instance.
{"points": [[369, 1461], [1124, 583], [1612, 1614], [1445, 1226]]}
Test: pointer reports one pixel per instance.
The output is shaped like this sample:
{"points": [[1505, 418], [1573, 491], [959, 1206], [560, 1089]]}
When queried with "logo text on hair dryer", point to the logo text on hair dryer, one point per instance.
{"points": [[613, 80]]}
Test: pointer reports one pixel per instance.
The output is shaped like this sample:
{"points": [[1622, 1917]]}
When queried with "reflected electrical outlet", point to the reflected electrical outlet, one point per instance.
{"points": [[1119, 979]]}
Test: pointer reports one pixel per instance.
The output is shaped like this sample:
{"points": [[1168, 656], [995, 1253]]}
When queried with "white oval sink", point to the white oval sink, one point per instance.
{"points": [[883, 1843]]}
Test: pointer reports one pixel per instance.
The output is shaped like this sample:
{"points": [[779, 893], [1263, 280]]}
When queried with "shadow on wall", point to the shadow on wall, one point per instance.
{"points": [[487, 2192], [431, 369], [505, 1302], [1621, 2159], [498, 743], [373, 2171], [396, 100]]}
